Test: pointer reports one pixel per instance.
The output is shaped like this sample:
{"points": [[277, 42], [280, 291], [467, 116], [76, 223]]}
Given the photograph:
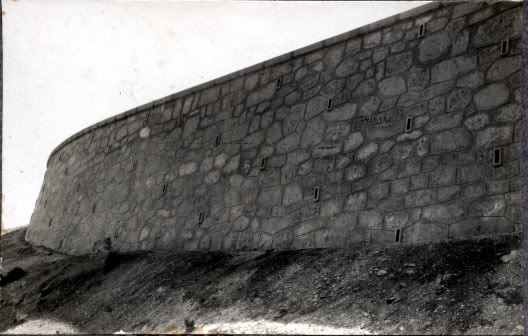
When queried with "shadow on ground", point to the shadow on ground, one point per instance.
{"points": [[449, 288]]}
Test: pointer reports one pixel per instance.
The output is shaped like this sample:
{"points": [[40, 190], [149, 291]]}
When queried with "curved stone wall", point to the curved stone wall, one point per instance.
{"points": [[394, 132]]}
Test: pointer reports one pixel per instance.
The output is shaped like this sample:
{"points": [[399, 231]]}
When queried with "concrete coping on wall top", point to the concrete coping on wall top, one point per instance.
{"points": [[361, 31]]}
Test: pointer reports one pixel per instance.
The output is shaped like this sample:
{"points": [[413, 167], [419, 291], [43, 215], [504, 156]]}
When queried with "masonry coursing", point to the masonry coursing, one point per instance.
{"points": [[188, 174]]}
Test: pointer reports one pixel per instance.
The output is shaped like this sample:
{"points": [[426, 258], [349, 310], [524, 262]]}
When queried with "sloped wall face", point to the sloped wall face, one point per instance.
{"points": [[401, 137]]}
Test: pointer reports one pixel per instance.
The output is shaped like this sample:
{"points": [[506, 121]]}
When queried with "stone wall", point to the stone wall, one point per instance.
{"points": [[395, 132]]}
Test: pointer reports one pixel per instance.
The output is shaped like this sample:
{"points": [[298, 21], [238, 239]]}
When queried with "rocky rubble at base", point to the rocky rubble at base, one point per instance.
{"points": [[471, 287]]}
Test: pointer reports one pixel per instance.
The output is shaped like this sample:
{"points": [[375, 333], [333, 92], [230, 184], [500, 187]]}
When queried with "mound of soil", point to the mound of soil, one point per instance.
{"points": [[471, 287]]}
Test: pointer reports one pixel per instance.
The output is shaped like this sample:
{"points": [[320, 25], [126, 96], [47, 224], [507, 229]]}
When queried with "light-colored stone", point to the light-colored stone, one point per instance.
{"points": [[392, 86]]}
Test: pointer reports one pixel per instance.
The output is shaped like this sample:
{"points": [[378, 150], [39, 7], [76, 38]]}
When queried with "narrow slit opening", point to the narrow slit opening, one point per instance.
{"points": [[164, 191], [279, 84], [134, 165], [263, 163], [505, 46], [93, 208], [330, 104], [408, 124], [51, 220], [217, 140], [200, 217], [397, 236], [497, 157], [316, 194], [421, 30]]}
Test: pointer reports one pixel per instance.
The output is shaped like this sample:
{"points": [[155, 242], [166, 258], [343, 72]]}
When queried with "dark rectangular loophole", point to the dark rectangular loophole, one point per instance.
{"points": [[397, 236], [408, 124], [93, 208], [330, 104], [279, 84], [200, 217], [217, 140], [263, 163], [505, 46], [134, 165], [51, 220], [421, 30], [164, 191], [497, 157], [316, 194]]}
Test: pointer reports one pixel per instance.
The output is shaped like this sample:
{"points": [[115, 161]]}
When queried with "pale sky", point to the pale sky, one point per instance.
{"points": [[69, 64]]}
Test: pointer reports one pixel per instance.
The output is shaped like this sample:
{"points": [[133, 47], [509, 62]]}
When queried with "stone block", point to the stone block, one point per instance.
{"points": [[379, 164], [307, 226], [419, 181], [270, 196], [367, 151], [398, 63], [409, 167], [357, 236], [490, 206], [356, 201], [399, 187], [306, 241], [292, 194], [382, 237], [475, 227], [289, 143], [446, 213], [330, 238], [442, 176], [452, 68], [392, 86], [444, 121], [477, 121], [508, 114], [459, 99], [424, 231], [420, 198], [343, 221], [491, 96], [313, 133], [505, 25], [491, 137], [506, 170], [336, 131], [401, 218], [331, 207], [370, 220], [282, 240], [372, 40], [450, 140], [379, 190], [473, 191], [433, 47], [418, 78]]}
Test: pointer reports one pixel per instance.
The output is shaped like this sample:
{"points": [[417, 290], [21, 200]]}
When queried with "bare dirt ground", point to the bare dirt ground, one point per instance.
{"points": [[449, 288]]}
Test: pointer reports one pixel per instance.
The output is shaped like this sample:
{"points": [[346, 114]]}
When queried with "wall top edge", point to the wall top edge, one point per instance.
{"points": [[360, 31]]}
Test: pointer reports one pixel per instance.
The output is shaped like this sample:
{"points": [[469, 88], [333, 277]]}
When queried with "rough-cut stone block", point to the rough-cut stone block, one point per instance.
{"points": [[493, 31], [356, 202], [306, 241], [494, 137], [420, 198], [313, 133], [442, 176], [424, 231], [409, 167], [452, 68], [392, 86], [477, 227], [402, 218], [444, 213], [450, 140], [477, 121], [357, 236], [433, 47], [292, 194], [370, 220], [329, 238], [491, 96], [491, 206], [444, 121]]}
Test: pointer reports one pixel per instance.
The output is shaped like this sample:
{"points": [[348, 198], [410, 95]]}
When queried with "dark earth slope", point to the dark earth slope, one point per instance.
{"points": [[449, 288]]}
